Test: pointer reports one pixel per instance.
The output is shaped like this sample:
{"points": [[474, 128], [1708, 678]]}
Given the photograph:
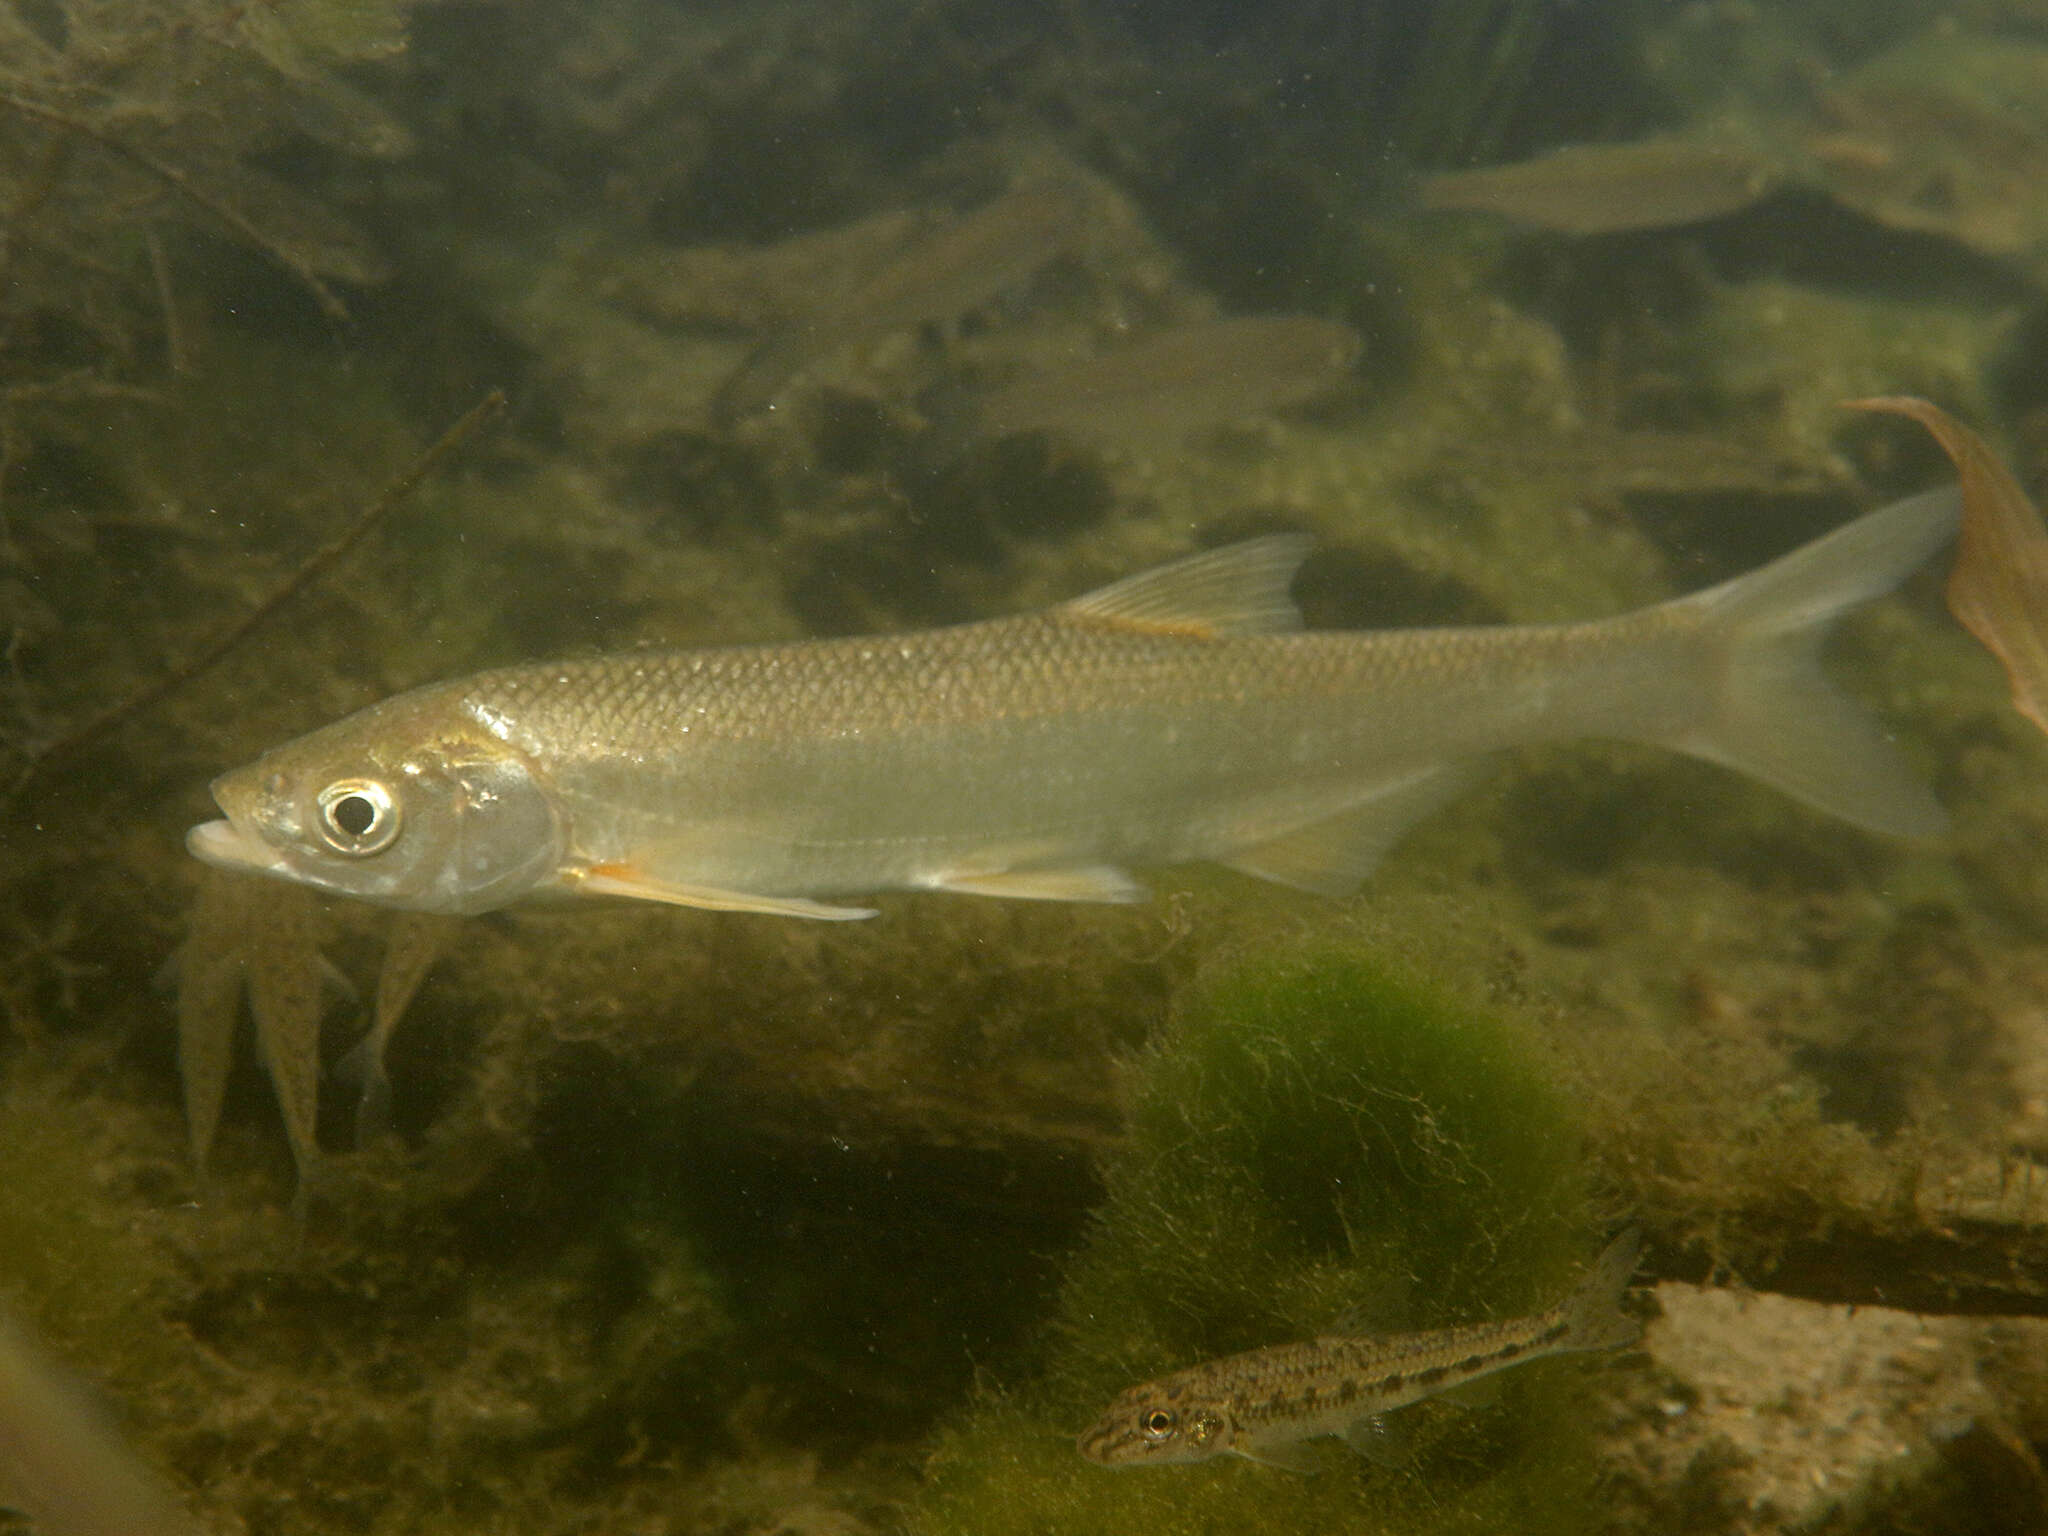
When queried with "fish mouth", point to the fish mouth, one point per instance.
{"points": [[226, 846], [236, 840]]}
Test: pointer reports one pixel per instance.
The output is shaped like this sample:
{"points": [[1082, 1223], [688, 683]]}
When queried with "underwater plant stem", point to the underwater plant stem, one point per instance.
{"points": [[1473, 68], [175, 358], [307, 572], [33, 195], [176, 178]]}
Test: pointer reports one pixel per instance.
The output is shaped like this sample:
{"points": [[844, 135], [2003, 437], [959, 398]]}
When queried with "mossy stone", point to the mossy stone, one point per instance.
{"points": [[1317, 1141]]}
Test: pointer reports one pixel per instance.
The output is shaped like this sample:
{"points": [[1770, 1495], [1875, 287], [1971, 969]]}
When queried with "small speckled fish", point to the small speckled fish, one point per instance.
{"points": [[1261, 1403], [1168, 718]]}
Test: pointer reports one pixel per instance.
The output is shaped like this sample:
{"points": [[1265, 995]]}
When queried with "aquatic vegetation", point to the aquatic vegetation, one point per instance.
{"points": [[1998, 588], [398, 1365], [1470, 75], [698, 1222], [1313, 1136], [126, 118], [139, 144], [122, 122]]}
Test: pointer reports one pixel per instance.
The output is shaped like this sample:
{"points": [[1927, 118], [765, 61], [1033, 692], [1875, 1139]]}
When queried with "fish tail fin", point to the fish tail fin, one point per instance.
{"points": [[1773, 714], [1592, 1313]]}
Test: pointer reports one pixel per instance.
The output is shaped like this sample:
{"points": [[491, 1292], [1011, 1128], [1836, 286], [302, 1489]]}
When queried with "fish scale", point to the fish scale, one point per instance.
{"points": [[1174, 716], [1259, 1402], [1291, 1385]]}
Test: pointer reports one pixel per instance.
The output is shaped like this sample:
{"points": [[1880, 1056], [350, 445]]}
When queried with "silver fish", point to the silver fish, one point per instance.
{"points": [[961, 266], [1603, 189], [1170, 717], [1190, 376], [1261, 1403]]}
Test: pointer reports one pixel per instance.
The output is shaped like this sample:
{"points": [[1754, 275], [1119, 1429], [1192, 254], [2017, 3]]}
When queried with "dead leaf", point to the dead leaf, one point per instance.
{"points": [[1999, 587]]}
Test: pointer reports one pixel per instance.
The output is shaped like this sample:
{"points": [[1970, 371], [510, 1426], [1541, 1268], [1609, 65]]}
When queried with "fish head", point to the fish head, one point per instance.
{"points": [[405, 804], [1159, 1424]]}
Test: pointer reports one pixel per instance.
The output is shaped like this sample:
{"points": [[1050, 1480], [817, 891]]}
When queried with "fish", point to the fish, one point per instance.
{"points": [[1604, 189], [243, 940], [1998, 588], [1262, 1404], [1189, 376], [961, 266], [1181, 714]]}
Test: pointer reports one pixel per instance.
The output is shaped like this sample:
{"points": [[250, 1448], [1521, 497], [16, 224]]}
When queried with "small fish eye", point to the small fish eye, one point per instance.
{"points": [[1157, 1424], [358, 817]]}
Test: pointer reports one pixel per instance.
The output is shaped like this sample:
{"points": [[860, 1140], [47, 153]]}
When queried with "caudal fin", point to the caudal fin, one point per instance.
{"points": [[1773, 714], [1593, 1310]]}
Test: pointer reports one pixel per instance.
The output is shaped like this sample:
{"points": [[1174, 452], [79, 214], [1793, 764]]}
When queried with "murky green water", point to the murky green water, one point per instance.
{"points": [[821, 319]]}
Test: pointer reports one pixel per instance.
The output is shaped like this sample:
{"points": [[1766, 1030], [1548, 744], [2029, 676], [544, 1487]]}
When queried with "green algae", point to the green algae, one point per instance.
{"points": [[81, 1274], [1315, 1136]]}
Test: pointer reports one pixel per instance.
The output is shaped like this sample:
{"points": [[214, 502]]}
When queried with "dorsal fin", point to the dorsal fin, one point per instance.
{"points": [[1240, 589]]}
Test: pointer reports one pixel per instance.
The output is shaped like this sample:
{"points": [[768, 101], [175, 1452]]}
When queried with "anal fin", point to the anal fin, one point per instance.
{"points": [[1332, 856], [1076, 882], [627, 880]]}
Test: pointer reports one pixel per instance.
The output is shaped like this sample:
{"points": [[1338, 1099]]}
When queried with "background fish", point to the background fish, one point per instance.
{"points": [[1192, 375], [959, 267], [1603, 189], [1261, 1403], [1163, 719]]}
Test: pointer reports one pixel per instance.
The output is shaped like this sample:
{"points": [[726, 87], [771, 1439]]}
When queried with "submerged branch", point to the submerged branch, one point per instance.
{"points": [[1965, 1266], [179, 181], [308, 571]]}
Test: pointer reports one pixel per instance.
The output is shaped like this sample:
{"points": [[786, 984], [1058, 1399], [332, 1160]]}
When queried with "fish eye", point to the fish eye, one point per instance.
{"points": [[1157, 1425], [358, 817]]}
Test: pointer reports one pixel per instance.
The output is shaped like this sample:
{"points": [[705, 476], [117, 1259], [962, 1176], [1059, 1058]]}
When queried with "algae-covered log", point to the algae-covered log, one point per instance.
{"points": [[1954, 1266]]}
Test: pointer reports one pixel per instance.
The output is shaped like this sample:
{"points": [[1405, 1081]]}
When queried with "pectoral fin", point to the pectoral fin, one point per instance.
{"points": [[1081, 882], [1295, 1457], [1382, 1439], [1479, 1392], [1333, 856], [626, 879]]}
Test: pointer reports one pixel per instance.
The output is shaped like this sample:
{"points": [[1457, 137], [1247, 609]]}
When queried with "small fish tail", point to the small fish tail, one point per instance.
{"points": [[1593, 1310], [1772, 712]]}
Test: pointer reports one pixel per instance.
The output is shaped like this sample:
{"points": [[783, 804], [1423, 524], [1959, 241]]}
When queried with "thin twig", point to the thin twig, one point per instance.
{"points": [[167, 301], [78, 384], [14, 226], [10, 452], [176, 178], [308, 571]]}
